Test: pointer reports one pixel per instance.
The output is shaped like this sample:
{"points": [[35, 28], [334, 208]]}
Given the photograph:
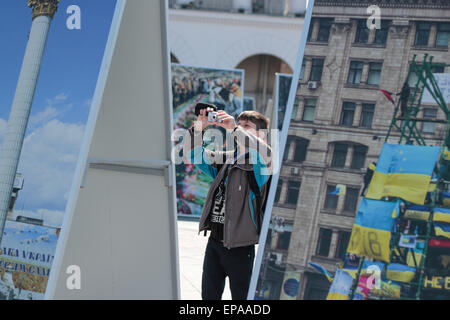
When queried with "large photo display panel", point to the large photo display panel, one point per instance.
{"points": [[119, 233], [361, 207], [283, 109]]}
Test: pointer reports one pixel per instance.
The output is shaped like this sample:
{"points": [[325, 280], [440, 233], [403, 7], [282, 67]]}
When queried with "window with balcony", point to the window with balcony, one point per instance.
{"points": [[348, 113], [374, 73], [309, 110], [422, 33], [324, 242], [355, 73], [316, 70]]}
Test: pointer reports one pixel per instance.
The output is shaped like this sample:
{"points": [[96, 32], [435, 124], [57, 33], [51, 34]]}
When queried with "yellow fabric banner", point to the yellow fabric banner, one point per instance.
{"points": [[370, 243]]}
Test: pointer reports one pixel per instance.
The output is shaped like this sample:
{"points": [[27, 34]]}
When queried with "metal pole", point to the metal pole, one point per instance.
{"points": [[43, 11]]}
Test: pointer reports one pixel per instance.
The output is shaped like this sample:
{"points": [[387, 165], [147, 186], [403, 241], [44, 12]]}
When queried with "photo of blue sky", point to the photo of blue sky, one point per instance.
{"points": [[62, 101]]}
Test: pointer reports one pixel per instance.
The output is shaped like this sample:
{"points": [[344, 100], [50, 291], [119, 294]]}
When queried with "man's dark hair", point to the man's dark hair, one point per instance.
{"points": [[257, 118]]}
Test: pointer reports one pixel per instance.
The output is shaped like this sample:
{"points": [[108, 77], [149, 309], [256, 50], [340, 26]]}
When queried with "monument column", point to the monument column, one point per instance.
{"points": [[42, 14]]}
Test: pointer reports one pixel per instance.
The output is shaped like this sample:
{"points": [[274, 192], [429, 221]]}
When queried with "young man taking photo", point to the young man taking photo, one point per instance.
{"points": [[233, 209]]}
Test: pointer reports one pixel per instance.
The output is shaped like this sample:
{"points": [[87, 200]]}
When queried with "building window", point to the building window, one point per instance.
{"points": [[342, 244], [293, 192], [368, 111], [302, 72], [278, 193], [348, 113], [374, 73], [286, 151], [331, 200], [359, 157], [422, 33], [339, 155], [316, 70], [351, 200], [295, 109], [284, 239], [310, 110], [355, 73], [324, 242], [301, 149], [381, 34], [443, 33], [324, 29], [311, 28], [362, 32], [428, 113], [438, 68]]}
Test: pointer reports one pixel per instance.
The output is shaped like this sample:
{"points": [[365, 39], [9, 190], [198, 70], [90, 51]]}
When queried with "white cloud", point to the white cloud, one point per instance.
{"points": [[48, 161], [54, 107]]}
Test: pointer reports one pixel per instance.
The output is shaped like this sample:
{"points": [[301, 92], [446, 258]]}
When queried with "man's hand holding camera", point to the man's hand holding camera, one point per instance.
{"points": [[209, 116]]}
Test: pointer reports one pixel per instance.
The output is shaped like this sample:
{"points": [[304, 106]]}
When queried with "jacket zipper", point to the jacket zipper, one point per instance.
{"points": [[227, 219]]}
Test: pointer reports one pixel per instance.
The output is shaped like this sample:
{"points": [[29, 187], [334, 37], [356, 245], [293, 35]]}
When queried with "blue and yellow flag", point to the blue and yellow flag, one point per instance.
{"points": [[442, 229], [446, 154], [387, 289], [341, 286], [371, 234], [399, 272], [322, 270], [341, 190], [417, 212], [404, 171], [445, 198], [441, 215]]}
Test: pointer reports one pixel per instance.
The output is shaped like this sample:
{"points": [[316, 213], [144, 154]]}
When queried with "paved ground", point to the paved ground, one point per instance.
{"points": [[192, 248]]}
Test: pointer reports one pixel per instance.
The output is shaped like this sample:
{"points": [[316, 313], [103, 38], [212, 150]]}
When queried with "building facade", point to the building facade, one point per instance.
{"points": [[339, 126], [260, 37]]}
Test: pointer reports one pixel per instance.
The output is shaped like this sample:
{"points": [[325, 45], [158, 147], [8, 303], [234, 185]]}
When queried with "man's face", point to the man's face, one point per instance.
{"points": [[250, 127]]}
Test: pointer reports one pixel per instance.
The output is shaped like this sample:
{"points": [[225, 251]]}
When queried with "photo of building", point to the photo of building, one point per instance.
{"points": [[261, 37], [339, 126]]}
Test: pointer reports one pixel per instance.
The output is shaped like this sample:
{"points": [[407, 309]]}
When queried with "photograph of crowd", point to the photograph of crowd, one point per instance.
{"points": [[192, 85]]}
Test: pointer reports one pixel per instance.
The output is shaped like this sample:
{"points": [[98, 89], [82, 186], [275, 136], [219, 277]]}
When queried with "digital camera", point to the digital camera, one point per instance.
{"points": [[213, 117]]}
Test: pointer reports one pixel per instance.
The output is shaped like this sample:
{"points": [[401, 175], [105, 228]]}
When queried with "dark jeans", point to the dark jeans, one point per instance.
{"points": [[219, 263]]}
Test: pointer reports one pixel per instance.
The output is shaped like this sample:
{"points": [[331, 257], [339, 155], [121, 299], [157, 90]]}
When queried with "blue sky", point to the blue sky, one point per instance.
{"points": [[62, 101]]}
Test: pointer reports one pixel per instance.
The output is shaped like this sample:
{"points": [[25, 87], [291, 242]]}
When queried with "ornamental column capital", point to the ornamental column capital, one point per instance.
{"points": [[43, 7]]}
